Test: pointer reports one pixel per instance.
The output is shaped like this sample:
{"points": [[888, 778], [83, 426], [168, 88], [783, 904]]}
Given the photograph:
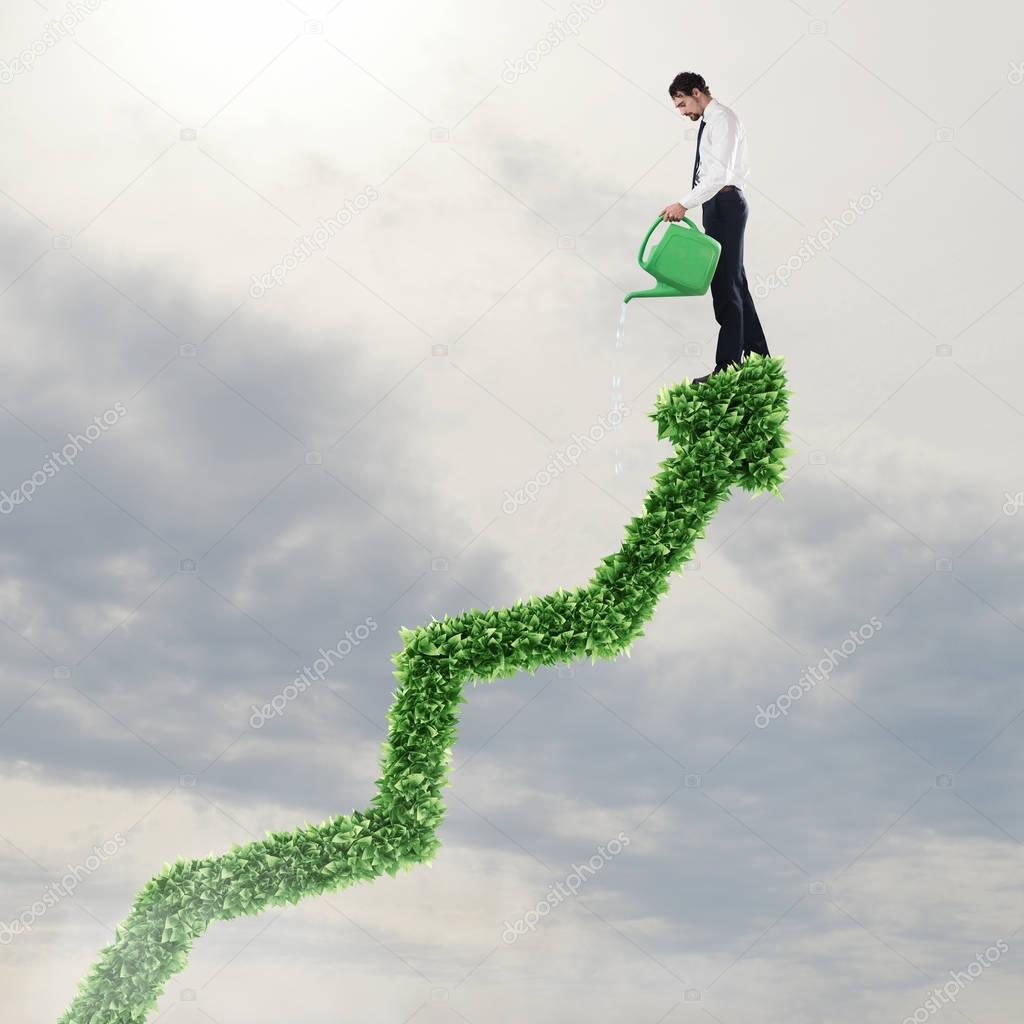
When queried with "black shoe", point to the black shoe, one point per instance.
{"points": [[703, 380]]}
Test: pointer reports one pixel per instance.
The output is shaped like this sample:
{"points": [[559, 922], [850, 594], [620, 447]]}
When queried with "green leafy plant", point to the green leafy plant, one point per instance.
{"points": [[727, 431]]}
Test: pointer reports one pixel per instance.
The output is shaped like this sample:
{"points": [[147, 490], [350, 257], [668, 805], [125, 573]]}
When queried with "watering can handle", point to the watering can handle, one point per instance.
{"points": [[647, 238]]}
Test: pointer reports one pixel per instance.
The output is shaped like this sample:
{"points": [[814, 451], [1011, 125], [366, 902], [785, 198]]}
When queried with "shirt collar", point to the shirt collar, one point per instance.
{"points": [[711, 108]]}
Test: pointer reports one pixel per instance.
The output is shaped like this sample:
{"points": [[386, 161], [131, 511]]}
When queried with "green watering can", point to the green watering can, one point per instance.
{"points": [[683, 262]]}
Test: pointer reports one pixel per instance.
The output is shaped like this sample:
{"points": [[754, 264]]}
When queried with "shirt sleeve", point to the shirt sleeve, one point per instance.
{"points": [[724, 144]]}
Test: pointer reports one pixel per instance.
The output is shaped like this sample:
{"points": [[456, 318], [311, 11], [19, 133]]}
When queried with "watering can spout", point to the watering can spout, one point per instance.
{"points": [[657, 291]]}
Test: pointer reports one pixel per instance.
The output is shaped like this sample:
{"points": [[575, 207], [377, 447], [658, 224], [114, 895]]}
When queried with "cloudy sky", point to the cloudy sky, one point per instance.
{"points": [[281, 449]]}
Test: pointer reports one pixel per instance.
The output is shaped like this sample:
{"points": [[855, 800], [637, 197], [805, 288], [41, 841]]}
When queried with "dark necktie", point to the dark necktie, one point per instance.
{"points": [[696, 159]]}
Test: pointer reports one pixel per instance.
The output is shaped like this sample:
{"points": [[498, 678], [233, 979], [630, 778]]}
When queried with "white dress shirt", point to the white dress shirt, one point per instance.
{"points": [[723, 154]]}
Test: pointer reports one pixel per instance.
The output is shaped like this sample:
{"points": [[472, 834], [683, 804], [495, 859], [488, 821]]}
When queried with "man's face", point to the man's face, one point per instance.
{"points": [[689, 106]]}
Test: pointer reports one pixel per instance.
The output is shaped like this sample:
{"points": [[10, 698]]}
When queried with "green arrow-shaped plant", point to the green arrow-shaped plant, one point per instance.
{"points": [[728, 431]]}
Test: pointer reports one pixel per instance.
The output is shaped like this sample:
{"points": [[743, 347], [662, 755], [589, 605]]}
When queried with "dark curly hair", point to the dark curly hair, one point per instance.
{"points": [[684, 84]]}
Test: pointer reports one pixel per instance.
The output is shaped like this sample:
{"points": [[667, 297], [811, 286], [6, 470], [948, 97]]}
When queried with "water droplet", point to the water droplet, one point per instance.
{"points": [[620, 341]]}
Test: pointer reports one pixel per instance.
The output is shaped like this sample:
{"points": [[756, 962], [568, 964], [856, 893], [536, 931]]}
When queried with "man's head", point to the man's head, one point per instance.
{"points": [[690, 94]]}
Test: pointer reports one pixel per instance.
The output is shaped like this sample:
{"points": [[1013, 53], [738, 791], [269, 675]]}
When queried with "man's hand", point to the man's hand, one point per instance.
{"points": [[674, 212]]}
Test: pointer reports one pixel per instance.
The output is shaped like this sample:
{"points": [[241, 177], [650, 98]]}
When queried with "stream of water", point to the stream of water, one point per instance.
{"points": [[620, 341]]}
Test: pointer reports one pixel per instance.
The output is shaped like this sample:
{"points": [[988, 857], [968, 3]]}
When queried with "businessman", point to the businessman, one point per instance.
{"points": [[719, 172]]}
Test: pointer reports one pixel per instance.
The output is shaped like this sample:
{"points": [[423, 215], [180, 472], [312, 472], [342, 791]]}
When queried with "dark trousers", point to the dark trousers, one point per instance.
{"points": [[739, 329]]}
